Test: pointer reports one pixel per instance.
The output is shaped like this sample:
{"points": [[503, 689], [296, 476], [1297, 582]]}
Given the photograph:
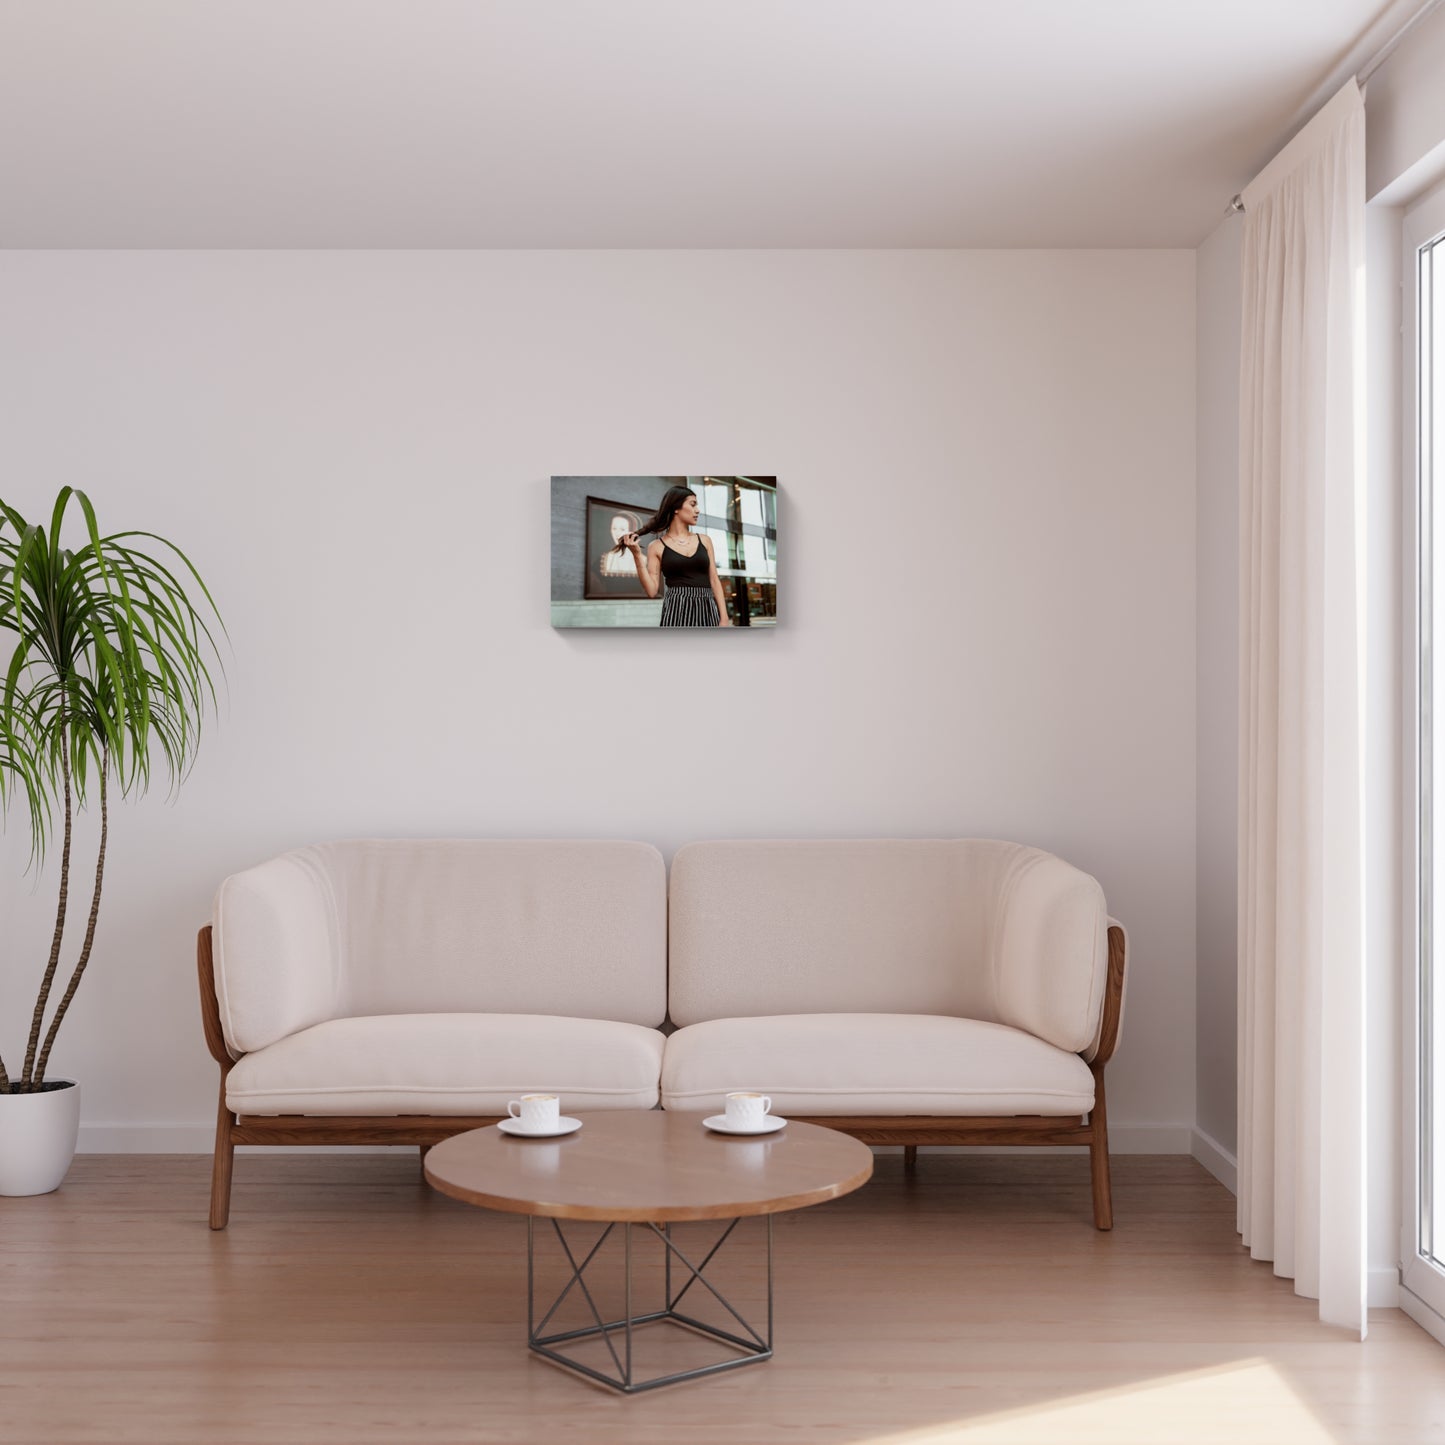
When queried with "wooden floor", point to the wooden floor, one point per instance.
{"points": [[972, 1303]]}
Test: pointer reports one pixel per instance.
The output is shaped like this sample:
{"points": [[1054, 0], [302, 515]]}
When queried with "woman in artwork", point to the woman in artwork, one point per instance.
{"points": [[681, 558], [615, 562]]}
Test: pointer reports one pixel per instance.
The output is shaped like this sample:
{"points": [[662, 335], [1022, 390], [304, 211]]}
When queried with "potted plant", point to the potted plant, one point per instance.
{"points": [[108, 673]]}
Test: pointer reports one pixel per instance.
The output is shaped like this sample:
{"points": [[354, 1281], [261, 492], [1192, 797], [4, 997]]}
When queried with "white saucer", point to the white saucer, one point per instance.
{"points": [[564, 1126], [718, 1123]]}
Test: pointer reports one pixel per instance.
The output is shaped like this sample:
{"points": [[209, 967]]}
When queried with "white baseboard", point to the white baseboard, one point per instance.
{"points": [[1422, 1314], [1123, 1139], [1148, 1138], [190, 1139], [1383, 1290], [201, 1139], [145, 1139], [1215, 1158]]}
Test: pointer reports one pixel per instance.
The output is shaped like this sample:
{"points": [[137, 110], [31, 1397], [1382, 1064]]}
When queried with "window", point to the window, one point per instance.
{"points": [[740, 515]]}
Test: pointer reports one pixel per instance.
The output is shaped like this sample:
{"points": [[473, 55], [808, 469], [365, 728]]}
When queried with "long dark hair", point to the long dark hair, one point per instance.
{"points": [[661, 519]]}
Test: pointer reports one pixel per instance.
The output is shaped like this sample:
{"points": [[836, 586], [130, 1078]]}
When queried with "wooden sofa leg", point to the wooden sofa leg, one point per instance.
{"points": [[1099, 1157], [221, 1170], [910, 1158]]}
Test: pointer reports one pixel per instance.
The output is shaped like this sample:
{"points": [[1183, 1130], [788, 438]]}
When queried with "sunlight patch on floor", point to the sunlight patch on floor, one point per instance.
{"points": [[1248, 1400]]}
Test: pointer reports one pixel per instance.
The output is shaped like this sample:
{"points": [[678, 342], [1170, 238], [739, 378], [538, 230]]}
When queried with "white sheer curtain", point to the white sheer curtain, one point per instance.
{"points": [[1301, 883]]}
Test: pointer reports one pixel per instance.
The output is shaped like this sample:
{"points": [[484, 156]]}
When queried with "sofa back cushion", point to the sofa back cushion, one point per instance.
{"points": [[575, 928], [971, 928], [448, 926], [276, 950]]}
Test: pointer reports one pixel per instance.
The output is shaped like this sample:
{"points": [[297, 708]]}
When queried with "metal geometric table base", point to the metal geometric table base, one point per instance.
{"points": [[752, 1347]]}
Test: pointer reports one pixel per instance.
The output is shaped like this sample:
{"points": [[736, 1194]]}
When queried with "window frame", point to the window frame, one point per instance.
{"points": [[1422, 1278]]}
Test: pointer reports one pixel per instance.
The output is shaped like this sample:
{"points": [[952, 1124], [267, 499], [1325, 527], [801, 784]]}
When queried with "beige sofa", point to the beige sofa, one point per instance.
{"points": [[907, 991]]}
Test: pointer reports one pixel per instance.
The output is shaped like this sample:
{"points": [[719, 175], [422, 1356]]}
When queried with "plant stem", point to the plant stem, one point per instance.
{"points": [[27, 1077], [89, 927]]}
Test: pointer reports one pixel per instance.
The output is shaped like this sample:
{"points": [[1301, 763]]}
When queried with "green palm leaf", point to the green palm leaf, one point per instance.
{"points": [[109, 674]]}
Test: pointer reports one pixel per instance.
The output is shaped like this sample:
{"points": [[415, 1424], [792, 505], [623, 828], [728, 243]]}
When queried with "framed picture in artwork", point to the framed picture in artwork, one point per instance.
{"points": [[608, 572]]}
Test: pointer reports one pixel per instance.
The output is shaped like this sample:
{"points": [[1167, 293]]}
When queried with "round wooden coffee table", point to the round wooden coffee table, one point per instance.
{"points": [[647, 1169]]}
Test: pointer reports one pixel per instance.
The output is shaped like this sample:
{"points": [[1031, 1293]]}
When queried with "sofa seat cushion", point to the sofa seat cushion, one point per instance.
{"points": [[814, 1064], [454, 1063]]}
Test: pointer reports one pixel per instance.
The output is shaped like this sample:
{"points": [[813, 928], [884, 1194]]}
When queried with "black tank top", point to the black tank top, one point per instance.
{"points": [[680, 570]]}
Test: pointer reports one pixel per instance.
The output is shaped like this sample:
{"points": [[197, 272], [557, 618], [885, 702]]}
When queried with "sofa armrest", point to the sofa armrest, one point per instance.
{"points": [[1051, 951], [278, 951], [1111, 1016]]}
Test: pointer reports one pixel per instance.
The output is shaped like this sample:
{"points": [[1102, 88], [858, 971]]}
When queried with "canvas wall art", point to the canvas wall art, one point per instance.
{"points": [[668, 552]]}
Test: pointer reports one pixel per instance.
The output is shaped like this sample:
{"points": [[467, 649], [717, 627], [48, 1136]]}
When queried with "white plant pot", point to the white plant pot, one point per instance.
{"points": [[37, 1138]]}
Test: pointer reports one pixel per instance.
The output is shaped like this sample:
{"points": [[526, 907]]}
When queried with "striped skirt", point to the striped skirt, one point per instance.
{"points": [[690, 607]]}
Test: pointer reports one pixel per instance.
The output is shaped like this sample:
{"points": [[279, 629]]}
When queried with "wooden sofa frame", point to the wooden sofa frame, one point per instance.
{"points": [[909, 1130]]}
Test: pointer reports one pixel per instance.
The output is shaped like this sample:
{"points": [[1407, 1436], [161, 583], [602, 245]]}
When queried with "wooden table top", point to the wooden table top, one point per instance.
{"points": [[649, 1164]]}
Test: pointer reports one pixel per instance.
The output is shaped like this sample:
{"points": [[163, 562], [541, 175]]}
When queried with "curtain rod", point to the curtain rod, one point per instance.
{"points": [[1362, 75]]}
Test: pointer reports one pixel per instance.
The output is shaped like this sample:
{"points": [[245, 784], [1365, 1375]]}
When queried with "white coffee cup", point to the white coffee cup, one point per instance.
{"points": [[537, 1113], [745, 1110]]}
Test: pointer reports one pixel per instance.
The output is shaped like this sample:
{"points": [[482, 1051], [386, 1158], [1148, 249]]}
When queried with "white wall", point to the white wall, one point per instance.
{"points": [[1405, 116], [1217, 717], [987, 578]]}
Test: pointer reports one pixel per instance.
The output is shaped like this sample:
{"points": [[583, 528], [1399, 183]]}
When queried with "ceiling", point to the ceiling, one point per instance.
{"points": [[648, 123]]}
